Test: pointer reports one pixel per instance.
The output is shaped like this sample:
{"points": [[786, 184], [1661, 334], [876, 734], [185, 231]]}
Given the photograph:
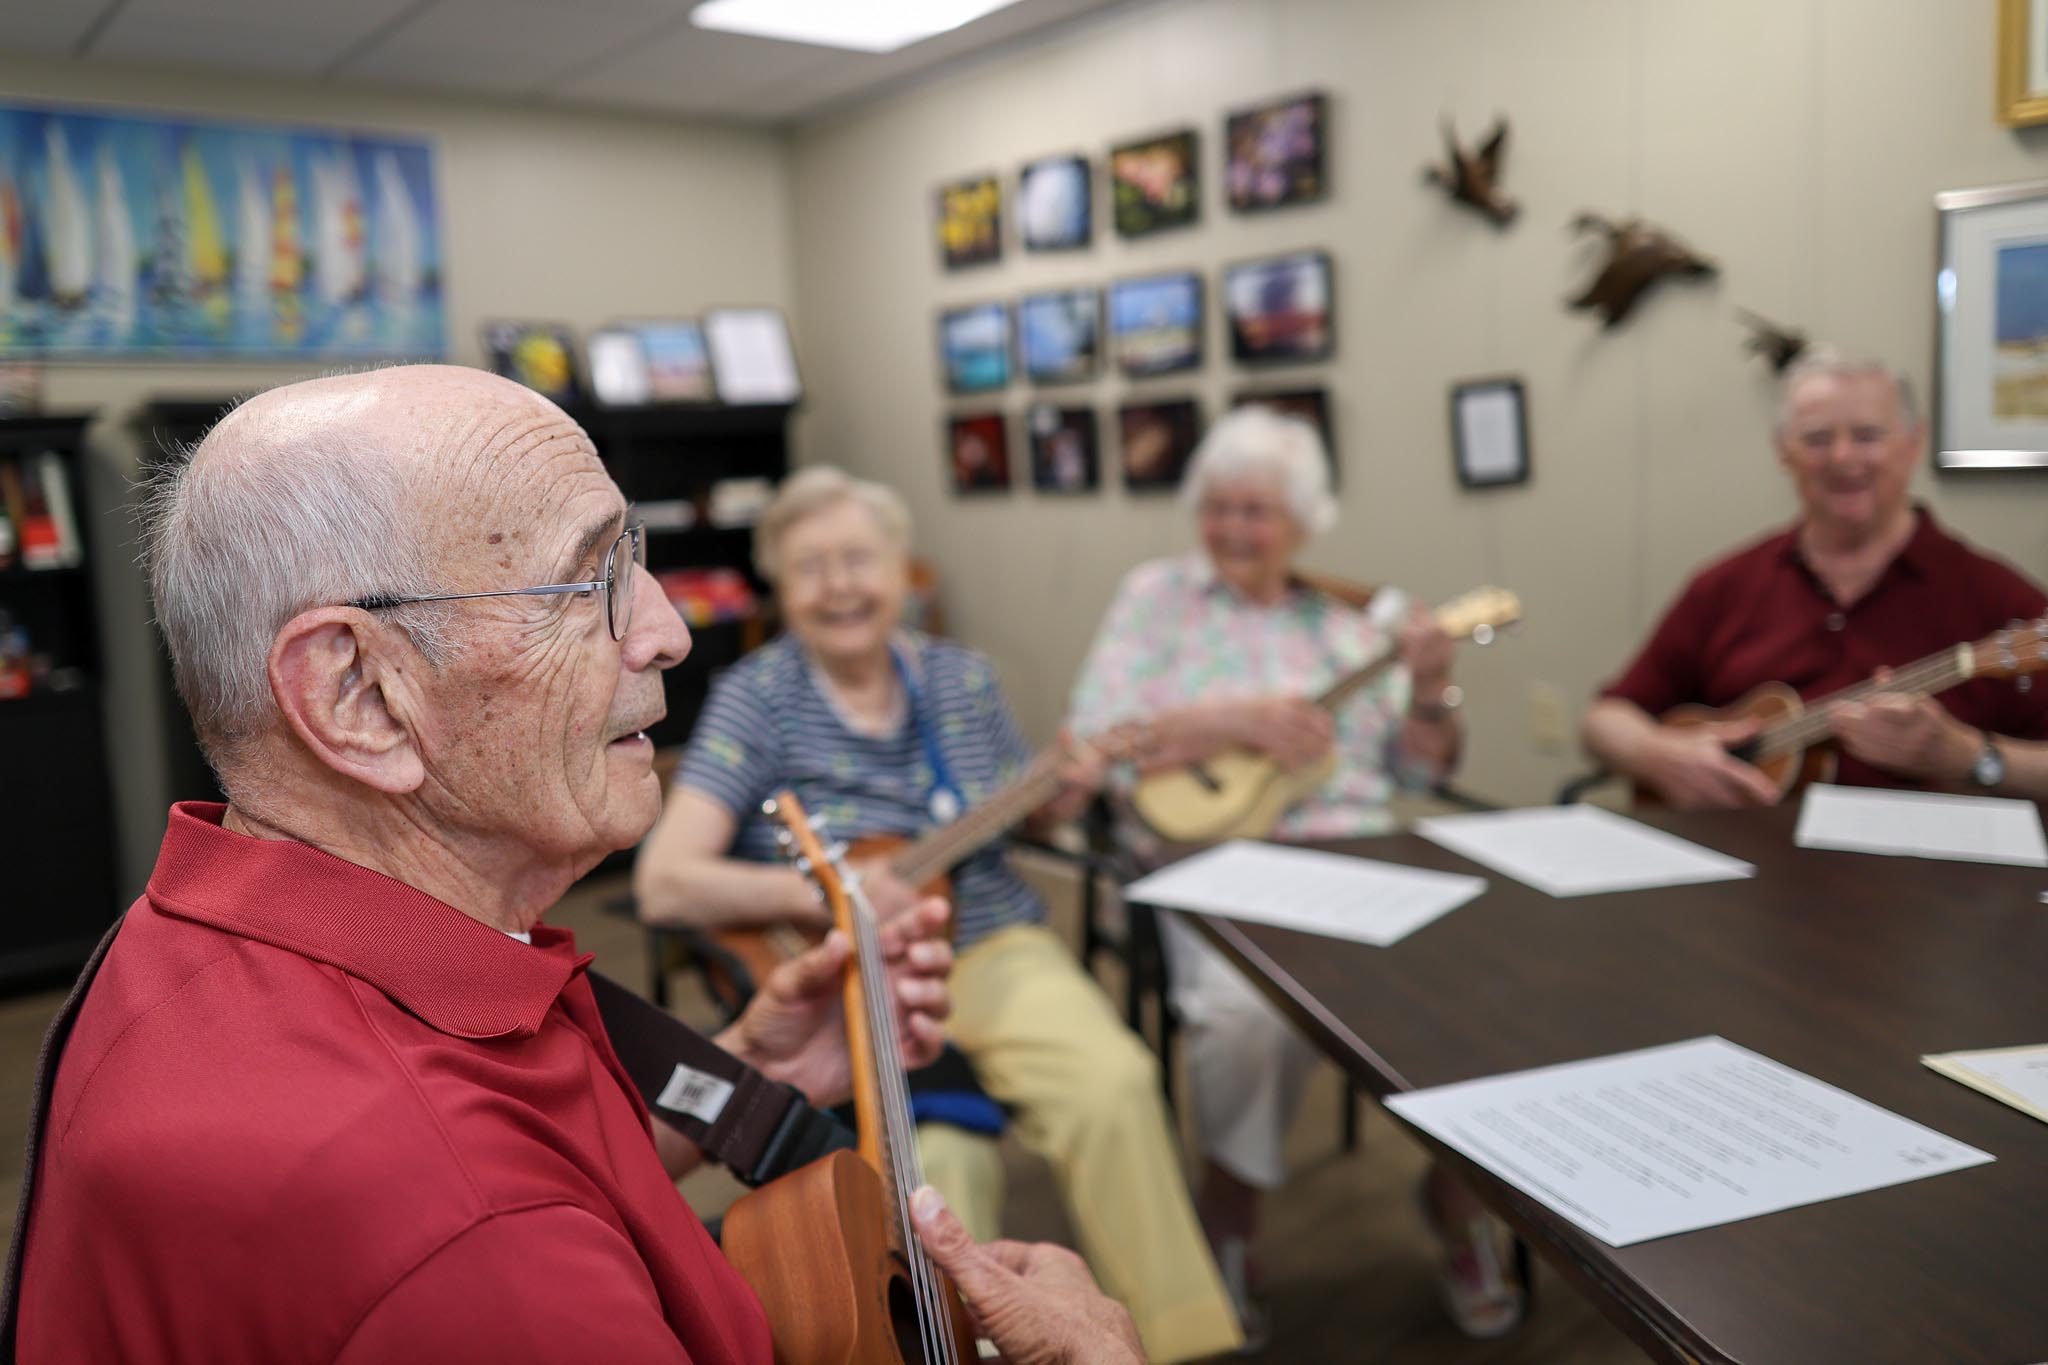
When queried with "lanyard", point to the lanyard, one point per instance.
{"points": [[943, 801]]}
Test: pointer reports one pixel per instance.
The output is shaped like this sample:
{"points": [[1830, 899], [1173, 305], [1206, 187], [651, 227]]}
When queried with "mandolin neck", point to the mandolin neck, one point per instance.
{"points": [[938, 852], [1938, 672]]}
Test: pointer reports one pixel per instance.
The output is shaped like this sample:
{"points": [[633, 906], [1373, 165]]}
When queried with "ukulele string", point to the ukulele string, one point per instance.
{"points": [[1930, 674], [935, 1323]]}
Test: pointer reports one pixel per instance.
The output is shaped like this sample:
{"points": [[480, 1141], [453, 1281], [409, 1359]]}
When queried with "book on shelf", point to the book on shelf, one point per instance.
{"points": [[35, 493]]}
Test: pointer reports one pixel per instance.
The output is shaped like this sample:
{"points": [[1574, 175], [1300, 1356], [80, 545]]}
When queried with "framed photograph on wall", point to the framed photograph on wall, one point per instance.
{"points": [[1155, 323], [1063, 449], [1489, 432], [974, 347], [1059, 335], [1156, 183], [1279, 309], [970, 222], [1310, 405], [1273, 155], [540, 355], [978, 453], [1990, 402], [1156, 440], [1054, 202], [2022, 62]]}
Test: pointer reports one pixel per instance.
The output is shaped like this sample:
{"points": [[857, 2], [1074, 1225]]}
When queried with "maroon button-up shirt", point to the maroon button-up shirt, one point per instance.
{"points": [[309, 1113], [1761, 615]]}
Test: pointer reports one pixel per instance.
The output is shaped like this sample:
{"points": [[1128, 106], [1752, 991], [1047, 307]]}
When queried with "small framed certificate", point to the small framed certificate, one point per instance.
{"points": [[1489, 433]]}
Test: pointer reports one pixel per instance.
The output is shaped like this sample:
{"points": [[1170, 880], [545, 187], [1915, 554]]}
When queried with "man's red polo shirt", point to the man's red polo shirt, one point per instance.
{"points": [[1761, 615], [311, 1114]]}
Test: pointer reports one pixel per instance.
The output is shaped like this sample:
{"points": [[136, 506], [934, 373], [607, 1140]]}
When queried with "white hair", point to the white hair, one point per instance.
{"points": [[1827, 362], [237, 545], [1255, 440], [810, 491]]}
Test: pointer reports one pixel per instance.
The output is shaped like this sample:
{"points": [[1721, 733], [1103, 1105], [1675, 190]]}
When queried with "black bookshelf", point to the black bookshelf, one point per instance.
{"points": [[57, 844], [658, 454]]}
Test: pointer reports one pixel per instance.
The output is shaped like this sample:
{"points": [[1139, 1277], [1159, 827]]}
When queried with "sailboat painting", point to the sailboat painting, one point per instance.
{"points": [[125, 235]]}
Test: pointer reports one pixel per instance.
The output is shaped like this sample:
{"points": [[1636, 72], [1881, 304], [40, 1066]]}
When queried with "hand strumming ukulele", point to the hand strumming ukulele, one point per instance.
{"points": [[1794, 745]]}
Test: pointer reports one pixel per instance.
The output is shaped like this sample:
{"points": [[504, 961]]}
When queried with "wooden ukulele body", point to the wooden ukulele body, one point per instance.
{"points": [[1236, 794], [1769, 705], [764, 947], [815, 1246]]}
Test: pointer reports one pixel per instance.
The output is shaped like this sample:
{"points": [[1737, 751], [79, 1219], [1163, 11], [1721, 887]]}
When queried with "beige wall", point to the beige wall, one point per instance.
{"points": [[546, 213], [1797, 141]]}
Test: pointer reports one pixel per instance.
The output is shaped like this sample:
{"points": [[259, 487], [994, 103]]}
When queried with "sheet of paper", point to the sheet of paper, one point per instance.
{"points": [[2016, 1075], [1973, 829], [1299, 888], [1579, 850], [1669, 1139]]}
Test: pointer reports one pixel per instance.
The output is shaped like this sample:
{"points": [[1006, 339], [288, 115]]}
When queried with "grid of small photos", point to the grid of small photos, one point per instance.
{"points": [[1278, 310]]}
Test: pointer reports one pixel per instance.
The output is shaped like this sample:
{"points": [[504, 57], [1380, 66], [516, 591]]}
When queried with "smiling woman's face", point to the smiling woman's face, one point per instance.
{"points": [[841, 583]]}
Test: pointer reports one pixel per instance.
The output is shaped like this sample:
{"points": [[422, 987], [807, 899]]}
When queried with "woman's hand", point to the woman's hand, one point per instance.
{"points": [[1293, 731], [1427, 652]]}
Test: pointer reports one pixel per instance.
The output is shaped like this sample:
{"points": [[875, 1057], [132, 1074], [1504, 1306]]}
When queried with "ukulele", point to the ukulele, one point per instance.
{"points": [[1240, 794], [829, 1248], [1792, 748], [925, 862]]}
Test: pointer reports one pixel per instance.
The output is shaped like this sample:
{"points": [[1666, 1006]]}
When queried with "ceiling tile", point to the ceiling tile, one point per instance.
{"points": [[700, 71], [508, 44], [45, 25], [283, 37]]}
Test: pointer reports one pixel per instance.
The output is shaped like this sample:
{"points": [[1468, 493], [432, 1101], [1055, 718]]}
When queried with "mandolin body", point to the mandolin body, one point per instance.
{"points": [[1769, 705], [1236, 794], [814, 1245], [760, 949]]}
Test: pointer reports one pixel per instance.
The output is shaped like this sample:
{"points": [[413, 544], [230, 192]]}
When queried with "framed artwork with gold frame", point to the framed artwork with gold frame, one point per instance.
{"points": [[2022, 62]]}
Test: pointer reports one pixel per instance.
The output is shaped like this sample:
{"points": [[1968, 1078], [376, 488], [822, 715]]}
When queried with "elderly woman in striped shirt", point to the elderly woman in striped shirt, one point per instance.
{"points": [[1224, 648], [888, 731]]}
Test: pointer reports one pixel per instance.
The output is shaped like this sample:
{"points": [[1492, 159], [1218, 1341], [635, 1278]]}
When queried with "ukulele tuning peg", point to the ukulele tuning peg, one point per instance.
{"points": [[2023, 683], [1482, 634], [770, 809], [802, 865]]}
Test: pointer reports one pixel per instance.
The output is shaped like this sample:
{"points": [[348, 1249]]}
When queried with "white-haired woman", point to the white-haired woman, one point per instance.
{"points": [[889, 731], [1224, 648]]}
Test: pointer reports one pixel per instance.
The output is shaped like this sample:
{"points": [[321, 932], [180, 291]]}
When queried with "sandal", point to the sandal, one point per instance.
{"points": [[1477, 1292]]}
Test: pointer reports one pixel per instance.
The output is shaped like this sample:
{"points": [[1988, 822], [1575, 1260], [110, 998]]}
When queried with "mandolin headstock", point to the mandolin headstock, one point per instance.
{"points": [[2016, 651], [1479, 613]]}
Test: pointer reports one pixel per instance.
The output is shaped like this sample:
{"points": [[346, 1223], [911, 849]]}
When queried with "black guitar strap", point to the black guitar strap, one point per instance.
{"points": [[757, 1128]]}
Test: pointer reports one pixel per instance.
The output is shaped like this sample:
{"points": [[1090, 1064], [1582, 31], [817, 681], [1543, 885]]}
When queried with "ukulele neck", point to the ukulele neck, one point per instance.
{"points": [[1938, 672], [950, 844]]}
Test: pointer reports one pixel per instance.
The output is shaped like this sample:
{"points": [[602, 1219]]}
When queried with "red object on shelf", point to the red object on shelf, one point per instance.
{"points": [[708, 596]]}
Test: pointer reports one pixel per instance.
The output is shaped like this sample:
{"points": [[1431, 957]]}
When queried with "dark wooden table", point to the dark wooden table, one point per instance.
{"points": [[1845, 966]]}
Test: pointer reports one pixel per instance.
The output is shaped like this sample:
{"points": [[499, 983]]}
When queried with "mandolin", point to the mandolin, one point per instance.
{"points": [[1793, 746], [1241, 794], [925, 862], [829, 1248]]}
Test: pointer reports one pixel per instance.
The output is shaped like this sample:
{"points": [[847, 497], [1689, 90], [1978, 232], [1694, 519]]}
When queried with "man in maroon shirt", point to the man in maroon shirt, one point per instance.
{"points": [[1863, 583], [336, 1093]]}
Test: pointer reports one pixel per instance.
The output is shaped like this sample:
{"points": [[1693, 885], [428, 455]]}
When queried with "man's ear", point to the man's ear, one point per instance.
{"points": [[346, 694]]}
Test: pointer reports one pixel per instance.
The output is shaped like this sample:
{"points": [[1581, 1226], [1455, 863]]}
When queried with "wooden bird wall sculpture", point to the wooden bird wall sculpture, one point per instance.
{"points": [[1781, 346], [1638, 255], [1473, 178]]}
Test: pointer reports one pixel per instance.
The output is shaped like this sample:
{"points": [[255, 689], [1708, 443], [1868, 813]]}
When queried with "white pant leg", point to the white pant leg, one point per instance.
{"points": [[1247, 1064]]}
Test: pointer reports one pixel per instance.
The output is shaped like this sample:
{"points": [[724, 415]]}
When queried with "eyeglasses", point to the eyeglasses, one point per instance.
{"points": [[618, 597], [855, 561]]}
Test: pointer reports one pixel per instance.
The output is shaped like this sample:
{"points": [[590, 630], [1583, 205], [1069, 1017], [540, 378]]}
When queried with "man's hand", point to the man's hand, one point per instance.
{"points": [[1692, 769], [1037, 1303], [1083, 769], [1908, 735], [1293, 731], [795, 1031]]}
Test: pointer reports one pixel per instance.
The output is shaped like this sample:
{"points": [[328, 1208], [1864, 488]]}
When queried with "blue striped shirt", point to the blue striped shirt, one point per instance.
{"points": [[768, 725]]}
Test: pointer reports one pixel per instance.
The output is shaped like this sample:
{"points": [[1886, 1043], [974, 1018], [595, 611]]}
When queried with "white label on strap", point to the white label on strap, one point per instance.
{"points": [[699, 1094]]}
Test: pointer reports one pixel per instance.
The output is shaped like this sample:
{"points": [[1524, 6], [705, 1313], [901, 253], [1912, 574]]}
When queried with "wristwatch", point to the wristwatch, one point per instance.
{"points": [[1447, 701], [1989, 769]]}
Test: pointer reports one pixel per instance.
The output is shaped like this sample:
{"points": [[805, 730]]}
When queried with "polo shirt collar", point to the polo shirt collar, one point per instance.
{"points": [[459, 975], [1920, 556]]}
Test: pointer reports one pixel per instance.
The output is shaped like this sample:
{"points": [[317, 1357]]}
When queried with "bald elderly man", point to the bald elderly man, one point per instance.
{"points": [[337, 1093]]}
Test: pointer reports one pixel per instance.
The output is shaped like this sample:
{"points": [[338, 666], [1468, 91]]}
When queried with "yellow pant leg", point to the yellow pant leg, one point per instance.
{"points": [[1045, 1039], [967, 1169]]}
